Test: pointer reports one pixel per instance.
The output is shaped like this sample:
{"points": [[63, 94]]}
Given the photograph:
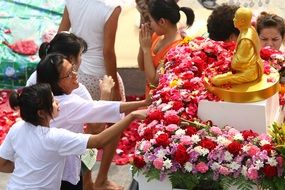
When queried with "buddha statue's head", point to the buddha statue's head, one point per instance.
{"points": [[242, 19]]}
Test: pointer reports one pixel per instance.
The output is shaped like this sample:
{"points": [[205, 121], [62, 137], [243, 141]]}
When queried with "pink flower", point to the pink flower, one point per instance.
{"points": [[224, 170], [216, 130], [171, 127], [158, 163], [253, 150], [146, 146], [233, 132], [185, 140], [202, 167], [252, 174]]}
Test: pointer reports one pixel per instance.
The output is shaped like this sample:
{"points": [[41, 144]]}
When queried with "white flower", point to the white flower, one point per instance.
{"points": [[202, 151], [238, 137], [228, 156], [146, 160], [166, 107], [258, 164], [188, 166], [264, 142], [159, 101], [161, 153], [234, 165], [244, 171], [223, 141], [159, 133], [167, 164], [215, 166], [246, 148], [272, 162], [180, 132], [195, 138]]}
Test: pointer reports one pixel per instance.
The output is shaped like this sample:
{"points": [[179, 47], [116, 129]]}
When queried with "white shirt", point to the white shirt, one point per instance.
{"points": [[74, 113], [88, 18], [39, 155], [76, 109]]}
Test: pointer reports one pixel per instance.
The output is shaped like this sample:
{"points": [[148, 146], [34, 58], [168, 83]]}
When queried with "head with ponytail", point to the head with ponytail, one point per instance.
{"points": [[67, 44], [169, 10], [34, 102]]}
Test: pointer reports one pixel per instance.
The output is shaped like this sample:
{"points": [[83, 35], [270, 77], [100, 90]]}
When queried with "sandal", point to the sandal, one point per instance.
{"points": [[208, 4]]}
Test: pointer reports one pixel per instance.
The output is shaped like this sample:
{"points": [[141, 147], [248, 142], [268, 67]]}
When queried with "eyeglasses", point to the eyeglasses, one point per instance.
{"points": [[70, 73]]}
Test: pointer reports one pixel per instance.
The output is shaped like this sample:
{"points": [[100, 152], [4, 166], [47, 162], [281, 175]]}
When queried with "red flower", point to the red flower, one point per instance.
{"points": [[268, 148], [165, 97], [249, 134], [172, 119], [187, 85], [208, 144], [177, 105], [234, 147], [191, 131], [139, 161], [269, 171], [155, 115], [187, 76], [148, 134], [266, 52], [162, 140], [181, 156]]}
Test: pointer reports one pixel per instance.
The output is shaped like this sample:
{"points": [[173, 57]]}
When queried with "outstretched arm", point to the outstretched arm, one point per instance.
{"points": [[65, 22], [110, 30], [100, 140], [6, 166]]}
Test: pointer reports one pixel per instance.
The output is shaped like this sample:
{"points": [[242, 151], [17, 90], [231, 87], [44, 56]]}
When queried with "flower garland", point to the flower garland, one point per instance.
{"points": [[176, 143]]}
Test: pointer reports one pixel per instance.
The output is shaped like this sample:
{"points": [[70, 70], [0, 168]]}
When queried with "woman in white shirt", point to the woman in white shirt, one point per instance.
{"points": [[35, 153], [73, 47], [56, 70]]}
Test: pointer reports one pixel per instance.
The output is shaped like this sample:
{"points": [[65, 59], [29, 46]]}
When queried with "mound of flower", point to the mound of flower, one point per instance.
{"points": [[175, 143]]}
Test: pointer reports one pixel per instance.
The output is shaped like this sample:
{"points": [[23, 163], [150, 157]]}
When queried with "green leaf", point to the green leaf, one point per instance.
{"points": [[152, 174]]}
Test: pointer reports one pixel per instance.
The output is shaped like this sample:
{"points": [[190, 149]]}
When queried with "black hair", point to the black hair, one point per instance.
{"points": [[220, 23], [65, 43], [266, 20], [169, 9], [32, 99], [48, 71]]}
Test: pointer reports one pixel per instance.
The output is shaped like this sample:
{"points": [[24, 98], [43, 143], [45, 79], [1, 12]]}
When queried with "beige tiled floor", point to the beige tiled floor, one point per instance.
{"points": [[127, 46]]}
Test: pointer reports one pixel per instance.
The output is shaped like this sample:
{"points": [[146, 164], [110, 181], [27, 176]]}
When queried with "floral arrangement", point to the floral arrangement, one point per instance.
{"points": [[176, 143]]}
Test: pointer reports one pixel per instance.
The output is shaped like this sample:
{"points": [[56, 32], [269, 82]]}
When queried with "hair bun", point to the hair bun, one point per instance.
{"points": [[15, 100]]}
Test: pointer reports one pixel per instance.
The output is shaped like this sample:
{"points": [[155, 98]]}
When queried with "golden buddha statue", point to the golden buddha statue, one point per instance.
{"points": [[246, 64], [246, 78]]}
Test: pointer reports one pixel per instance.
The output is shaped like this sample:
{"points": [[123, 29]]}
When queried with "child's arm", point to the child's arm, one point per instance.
{"points": [[6, 166], [103, 138], [126, 107]]}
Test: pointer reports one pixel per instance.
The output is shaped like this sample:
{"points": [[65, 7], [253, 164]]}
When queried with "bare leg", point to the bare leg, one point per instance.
{"points": [[87, 180], [102, 182], [87, 175]]}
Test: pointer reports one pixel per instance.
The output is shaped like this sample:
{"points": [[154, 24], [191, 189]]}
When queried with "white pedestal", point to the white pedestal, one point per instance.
{"points": [[243, 116], [153, 184], [163, 185]]}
